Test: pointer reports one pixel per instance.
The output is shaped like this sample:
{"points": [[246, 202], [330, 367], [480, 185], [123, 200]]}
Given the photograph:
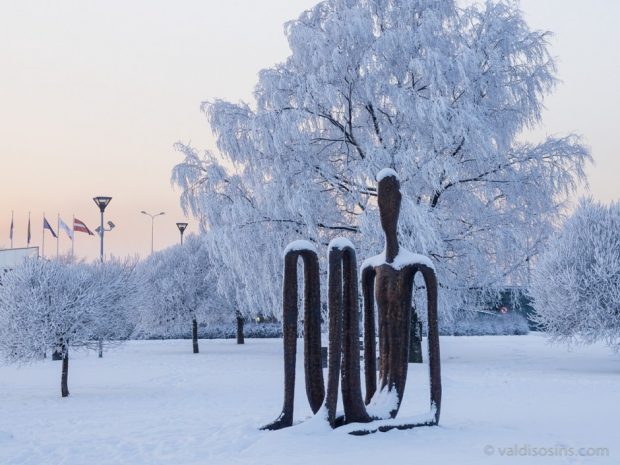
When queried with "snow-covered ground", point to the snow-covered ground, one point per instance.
{"points": [[154, 402]]}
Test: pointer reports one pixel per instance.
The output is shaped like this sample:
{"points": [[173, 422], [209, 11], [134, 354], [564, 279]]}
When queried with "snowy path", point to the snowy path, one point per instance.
{"points": [[153, 402]]}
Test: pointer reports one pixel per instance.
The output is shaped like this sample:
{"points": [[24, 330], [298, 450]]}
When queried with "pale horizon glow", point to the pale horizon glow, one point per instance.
{"points": [[94, 95]]}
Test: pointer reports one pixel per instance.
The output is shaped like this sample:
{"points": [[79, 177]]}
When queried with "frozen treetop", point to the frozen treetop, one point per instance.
{"points": [[403, 259], [299, 245], [340, 243], [385, 173]]}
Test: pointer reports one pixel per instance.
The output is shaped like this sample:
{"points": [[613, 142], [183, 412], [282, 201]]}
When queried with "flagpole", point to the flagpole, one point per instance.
{"points": [[73, 236], [57, 236], [43, 235]]}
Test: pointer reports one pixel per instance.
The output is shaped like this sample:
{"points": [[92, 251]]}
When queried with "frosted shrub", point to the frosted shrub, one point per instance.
{"points": [[576, 282]]}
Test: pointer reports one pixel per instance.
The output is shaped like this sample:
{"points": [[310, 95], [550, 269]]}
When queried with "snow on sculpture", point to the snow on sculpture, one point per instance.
{"points": [[387, 278]]}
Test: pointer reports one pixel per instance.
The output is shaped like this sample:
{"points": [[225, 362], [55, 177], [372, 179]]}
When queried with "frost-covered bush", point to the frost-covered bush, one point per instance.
{"points": [[251, 330], [576, 282], [487, 324], [221, 331]]}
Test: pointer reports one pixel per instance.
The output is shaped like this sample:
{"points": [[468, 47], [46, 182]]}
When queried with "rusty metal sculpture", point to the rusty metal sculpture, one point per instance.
{"points": [[388, 278]]}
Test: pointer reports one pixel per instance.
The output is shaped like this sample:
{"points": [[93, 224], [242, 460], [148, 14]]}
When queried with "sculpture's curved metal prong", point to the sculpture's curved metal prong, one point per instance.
{"points": [[430, 281], [370, 349], [315, 389], [344, 335]]}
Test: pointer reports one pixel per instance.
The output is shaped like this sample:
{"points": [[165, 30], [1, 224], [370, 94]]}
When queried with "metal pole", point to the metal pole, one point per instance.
{"points": [[73, 236], [182, 237], [152, 217], [43, 238], [101, 244]]}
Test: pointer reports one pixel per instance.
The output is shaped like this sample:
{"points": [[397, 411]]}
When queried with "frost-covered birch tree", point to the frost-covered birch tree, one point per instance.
{"points": [[438, 92], [179, 290], [576, 282], [229, 290]]}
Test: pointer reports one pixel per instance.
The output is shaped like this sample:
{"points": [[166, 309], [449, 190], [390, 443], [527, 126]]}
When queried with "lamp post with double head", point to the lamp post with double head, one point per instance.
{"points": [[182, 227], [102, 202], [152, 224]]}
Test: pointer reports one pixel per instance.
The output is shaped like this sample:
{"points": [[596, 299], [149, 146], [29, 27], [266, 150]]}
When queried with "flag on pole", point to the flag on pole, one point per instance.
{"points": [[29, 233], [62, 225], [46, 225], [79, 226]]}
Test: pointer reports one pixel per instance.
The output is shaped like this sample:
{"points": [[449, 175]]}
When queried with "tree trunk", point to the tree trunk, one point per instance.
{"points": [[100, 348], [415, 338], [240, 338], [64, 386], [195, 335]]}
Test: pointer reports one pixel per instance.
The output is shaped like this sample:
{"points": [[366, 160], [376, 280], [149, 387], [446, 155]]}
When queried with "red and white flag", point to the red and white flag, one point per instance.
{"points": [[79, 226]]}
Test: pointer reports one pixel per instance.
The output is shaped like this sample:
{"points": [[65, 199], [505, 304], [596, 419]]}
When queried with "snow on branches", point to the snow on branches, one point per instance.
{"points": [[576, 282], [438, 93], [180, 290], [47, 305], [51, 306]]}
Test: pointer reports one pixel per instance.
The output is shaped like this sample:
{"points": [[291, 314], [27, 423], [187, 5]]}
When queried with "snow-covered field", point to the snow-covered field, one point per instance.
{"points": [[154, 402]]}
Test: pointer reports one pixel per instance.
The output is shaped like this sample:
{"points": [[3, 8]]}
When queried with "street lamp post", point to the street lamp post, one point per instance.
{"points": [[152, 224], [182, 227], [102, 202]]}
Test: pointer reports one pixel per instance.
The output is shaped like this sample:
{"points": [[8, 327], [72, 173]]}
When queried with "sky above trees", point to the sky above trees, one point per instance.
{"points": [[95, 95]]}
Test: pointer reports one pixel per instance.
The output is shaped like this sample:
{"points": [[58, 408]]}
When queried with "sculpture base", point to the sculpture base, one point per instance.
{"points": [[378, 425], [429, 418], [368, 429]]}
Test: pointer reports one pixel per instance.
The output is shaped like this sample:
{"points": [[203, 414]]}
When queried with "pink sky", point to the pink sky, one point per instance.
{"points": [[94, 94]]}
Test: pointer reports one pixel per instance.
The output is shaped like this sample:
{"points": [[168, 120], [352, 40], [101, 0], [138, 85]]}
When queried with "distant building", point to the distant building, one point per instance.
{"points": [[10, 258]]}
